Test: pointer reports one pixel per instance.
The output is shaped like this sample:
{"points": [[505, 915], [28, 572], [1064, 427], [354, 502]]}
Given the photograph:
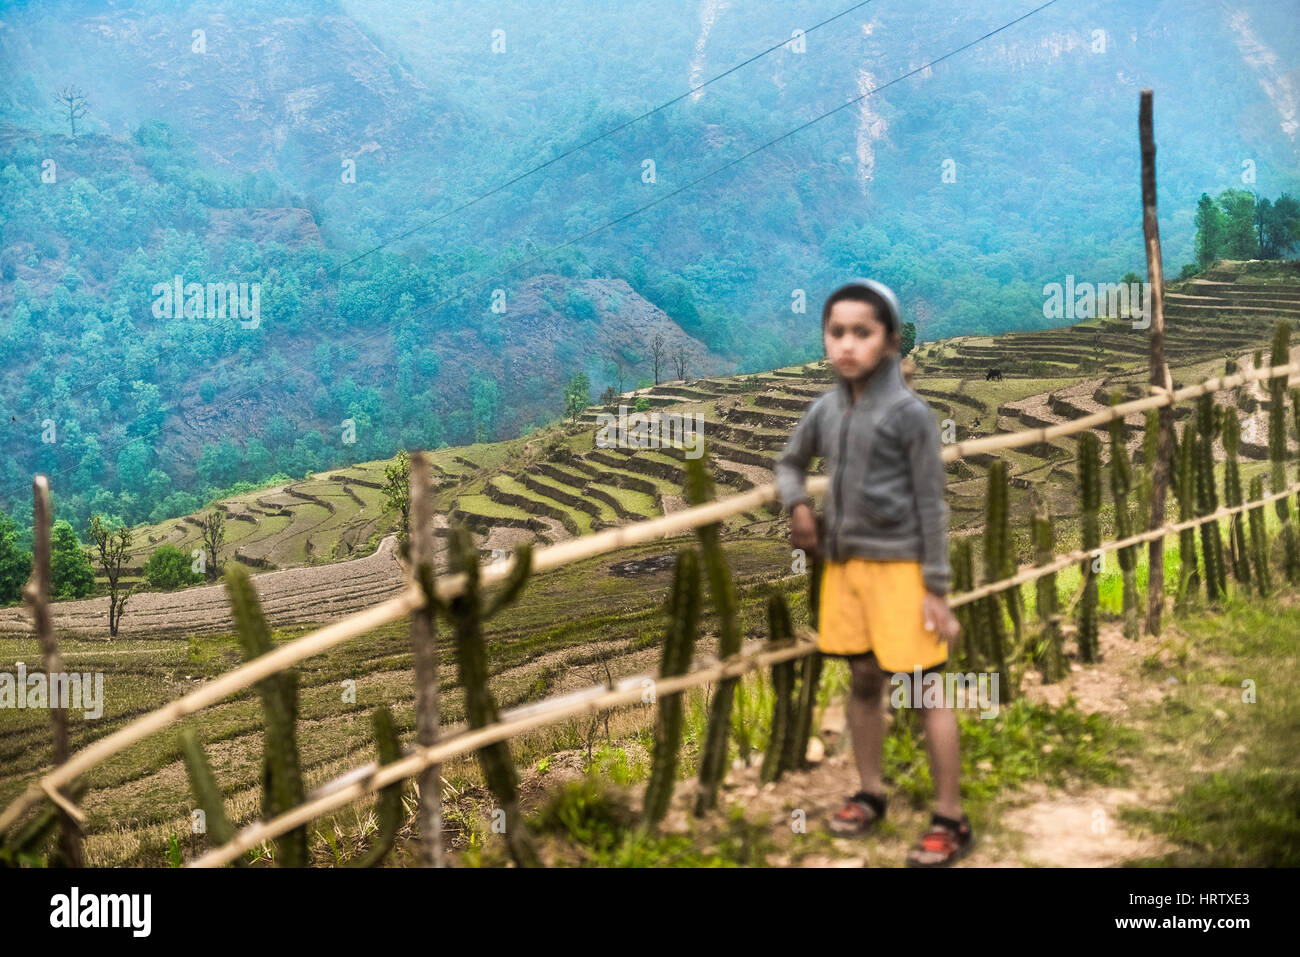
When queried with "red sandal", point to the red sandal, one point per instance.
{"points": [[860, 814], [947, 840]]}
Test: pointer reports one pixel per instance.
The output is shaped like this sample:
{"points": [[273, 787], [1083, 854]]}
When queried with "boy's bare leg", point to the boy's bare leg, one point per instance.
{"points": [[866, 723], [942, 741]]}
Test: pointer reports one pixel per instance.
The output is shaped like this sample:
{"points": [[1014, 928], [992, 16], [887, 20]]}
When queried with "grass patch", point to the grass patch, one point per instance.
{"points": [[1229, 735], [589, 824]]}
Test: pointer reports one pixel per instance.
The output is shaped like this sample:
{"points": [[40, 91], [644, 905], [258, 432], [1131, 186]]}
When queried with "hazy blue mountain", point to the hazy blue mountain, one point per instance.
{"points": [[228, 155]]}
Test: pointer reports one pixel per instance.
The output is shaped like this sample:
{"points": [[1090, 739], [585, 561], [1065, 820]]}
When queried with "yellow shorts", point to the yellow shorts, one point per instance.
{"points": [[872, 605]]}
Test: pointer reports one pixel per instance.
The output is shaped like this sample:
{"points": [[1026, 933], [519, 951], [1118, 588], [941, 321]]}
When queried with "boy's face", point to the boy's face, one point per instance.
{"points": [[855, 339]]}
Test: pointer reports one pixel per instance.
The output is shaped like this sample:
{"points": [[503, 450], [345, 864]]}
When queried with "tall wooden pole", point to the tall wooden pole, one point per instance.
{"points": [[37, 595], [1160, 378], [424, 642]]}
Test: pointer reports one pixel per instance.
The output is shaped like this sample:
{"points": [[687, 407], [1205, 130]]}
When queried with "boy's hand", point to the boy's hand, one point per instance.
{"points": [[937, 615], [803, 528]]}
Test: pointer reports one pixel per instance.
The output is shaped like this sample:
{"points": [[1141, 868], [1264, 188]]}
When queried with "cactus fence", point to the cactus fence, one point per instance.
{"points": [[60, 784]]}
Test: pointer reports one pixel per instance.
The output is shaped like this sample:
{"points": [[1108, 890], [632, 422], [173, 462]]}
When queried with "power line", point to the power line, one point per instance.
{"points": [[597, 139], [624, 217], [338, 270]]}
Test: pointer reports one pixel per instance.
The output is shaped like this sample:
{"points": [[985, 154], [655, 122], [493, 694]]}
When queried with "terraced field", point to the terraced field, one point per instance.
{"points": [[334, 516], [289, 596], [557, 482]]}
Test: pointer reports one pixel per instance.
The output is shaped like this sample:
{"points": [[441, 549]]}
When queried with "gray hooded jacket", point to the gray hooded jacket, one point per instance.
{"points": [[886, 494]]}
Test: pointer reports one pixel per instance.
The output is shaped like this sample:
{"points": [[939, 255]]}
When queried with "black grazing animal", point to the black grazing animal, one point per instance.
{"points": [[994, 375]]}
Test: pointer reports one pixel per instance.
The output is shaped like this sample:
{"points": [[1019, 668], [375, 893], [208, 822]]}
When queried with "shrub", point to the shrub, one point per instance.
{"points": [[168, 568]]}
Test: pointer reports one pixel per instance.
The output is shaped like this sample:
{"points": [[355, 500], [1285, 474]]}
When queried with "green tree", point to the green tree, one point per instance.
{"points": [[169, 567], [909, 337], [212, 530], [397, 492], [149, 411], [1240, 240], [133, 466], [15, 562], [71, 574], [1209, 230], [486, 397], [576, 395], [1279, 226]]}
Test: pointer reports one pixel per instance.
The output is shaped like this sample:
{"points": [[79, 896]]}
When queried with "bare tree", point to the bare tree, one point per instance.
{"points": [[614, 356], [213, 529], [112, 544], [73, 103], [618, 369], [658, 352], [679, 360]]}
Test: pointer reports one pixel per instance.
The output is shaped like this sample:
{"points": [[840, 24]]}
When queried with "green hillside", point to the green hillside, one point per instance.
{"points": [[555, 483]]}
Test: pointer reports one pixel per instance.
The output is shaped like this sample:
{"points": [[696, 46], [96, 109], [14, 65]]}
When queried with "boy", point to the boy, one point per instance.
{"points": [[886, 574]]}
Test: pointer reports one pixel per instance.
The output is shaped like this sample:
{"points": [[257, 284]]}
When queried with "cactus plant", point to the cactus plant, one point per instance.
{"points": [[963, 580], [722, 592], [1120, 481], [999, 486], [679, 643], [389, 804], [282, 786], [780, 633], [1050, 655], [1090, 495], [1144, 488], [811, 672], [207, 793], [281, 771], [995, 528], [1295, 414], [1184, 485], [1232, 496], [467, 612], [23, 846], [1207, 498], [1277, 449], [1259, 540]]}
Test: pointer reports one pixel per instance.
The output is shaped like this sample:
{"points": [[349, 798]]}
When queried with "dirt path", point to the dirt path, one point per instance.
{"points": [[756, 474], [1034, 826]]}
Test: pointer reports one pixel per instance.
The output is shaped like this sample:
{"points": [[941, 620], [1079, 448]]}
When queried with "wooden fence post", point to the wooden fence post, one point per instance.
{"points": [[1159, 370], [37, 595], [424, 644]]}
